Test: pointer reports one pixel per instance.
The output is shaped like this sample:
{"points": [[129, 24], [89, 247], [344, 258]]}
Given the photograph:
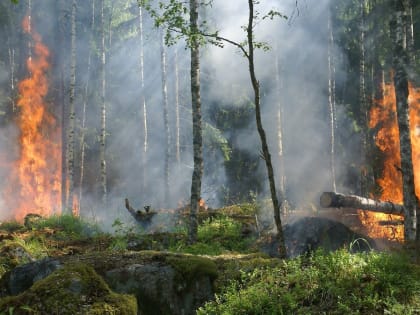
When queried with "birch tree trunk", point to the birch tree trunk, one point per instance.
{"points": [[103, 172], [61, 42], [85, 100], [177, 126], [409, 30], [331, 99], [143, 107], [196, 120], [280, 151], [261, 131], [400, 61], [11, 34], [165, 118], [71, 124]]}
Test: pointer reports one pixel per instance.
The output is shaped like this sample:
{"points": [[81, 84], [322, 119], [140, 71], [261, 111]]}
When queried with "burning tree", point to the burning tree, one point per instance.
{"points": [[34, 179]]}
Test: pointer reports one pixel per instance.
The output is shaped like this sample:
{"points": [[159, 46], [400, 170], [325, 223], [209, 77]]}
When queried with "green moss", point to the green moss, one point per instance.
{"points": [[190, 268], [76, 289], [12, 254]]}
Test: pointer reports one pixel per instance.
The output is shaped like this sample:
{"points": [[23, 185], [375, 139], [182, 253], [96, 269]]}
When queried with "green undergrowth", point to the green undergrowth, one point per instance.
{"points": [[325, 283], [68, 226], [216, 236]]}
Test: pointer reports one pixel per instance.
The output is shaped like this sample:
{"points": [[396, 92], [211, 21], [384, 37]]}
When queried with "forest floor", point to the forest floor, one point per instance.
{"points": [[248, 281]]}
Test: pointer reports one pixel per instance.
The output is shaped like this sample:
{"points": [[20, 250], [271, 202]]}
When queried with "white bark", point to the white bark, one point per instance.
{"points": [[103, 169], [71, 125], [165, 119]]}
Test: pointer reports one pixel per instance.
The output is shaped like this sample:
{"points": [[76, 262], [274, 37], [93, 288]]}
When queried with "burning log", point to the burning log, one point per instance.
{"points": [[335, 200], [391, 223]]}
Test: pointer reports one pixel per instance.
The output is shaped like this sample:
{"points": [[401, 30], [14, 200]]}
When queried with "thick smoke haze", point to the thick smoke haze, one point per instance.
{"points": [[300, 46]]}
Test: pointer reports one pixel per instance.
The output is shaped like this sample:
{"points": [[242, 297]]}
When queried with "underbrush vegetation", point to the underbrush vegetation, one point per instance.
{"points": [[68, 226], [216, 236], [325, 283]]}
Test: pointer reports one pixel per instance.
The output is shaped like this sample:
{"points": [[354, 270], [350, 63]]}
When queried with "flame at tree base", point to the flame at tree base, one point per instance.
{"points": [[383, 117]]}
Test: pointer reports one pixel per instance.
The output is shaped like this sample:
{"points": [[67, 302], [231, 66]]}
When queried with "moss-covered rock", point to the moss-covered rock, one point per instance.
{"points": [[165, 283], [12, 254], [75, 289]]}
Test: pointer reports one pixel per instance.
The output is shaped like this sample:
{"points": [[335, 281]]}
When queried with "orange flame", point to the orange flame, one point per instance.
{"points": [[383, 117], [34, 181]]}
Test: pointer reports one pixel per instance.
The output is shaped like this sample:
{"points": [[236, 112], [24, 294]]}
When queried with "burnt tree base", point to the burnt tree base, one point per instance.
{"points": [[335, 200]]}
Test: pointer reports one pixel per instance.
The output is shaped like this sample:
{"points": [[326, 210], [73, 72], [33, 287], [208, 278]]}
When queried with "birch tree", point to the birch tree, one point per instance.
{"points": [[103, 172], [331, 100], [72, 115], [82, 145], [143, 106], [165, 117], [174, 19]]}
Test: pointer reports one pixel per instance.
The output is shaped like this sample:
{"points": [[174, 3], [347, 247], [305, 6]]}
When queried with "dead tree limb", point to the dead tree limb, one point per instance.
{"points": [[138, 214], [335, 200]]}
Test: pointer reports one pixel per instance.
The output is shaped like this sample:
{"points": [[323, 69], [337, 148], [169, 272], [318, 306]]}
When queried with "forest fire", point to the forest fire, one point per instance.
{"points": [[383, 117], [33, 184]]}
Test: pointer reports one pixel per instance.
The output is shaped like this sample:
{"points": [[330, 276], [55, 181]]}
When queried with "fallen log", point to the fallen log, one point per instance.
{"points": [[335, 200]]}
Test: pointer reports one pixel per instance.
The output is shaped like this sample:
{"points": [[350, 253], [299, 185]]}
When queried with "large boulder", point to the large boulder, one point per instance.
{"points": [[310, 233], [73, 289], [163, 283], [24, 276]]}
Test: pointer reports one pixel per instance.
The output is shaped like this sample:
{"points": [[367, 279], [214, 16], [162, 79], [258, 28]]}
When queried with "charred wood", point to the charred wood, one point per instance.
{"points": [[140, 216], [335, 200]]}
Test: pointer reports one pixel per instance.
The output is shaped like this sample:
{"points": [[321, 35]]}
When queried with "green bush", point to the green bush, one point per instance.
{"points": [[216, 236], [335, 283]]}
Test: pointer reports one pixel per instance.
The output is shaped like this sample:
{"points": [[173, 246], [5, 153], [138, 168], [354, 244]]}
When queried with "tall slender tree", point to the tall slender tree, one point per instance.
{"points": [[143, 106], [400, 62], [103, 135], [261, 131], [165, 118], [82, 145], [363, 103], [196, 120], [177, 117], [72, 115], [331, 99], [280, 131]]}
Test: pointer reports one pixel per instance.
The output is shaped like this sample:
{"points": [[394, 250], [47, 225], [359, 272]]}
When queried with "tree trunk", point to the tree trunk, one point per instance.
{"points": [[71, 123], [103, 110], [61, 42], [165, 119], [331, 99], [177, 126], [11, 38], [409, 27], [280, 133], [400, 61], [261, 132], [86, 96], [335, 200], [363, 104], [143, 107], [196, 120]]}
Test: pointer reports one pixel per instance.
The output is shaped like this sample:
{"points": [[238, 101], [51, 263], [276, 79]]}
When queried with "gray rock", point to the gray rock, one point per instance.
{"points": [[158, 290], [23, 277]]}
